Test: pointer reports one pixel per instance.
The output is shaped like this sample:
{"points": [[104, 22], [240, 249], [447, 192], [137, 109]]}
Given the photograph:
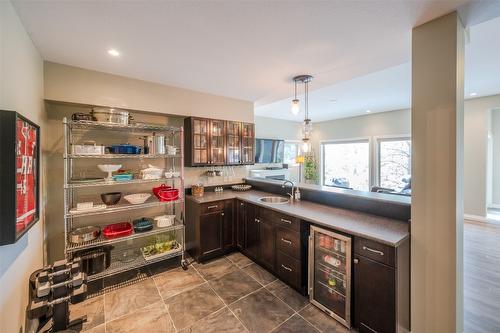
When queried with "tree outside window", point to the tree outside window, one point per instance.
{"points": [[395, 163]]}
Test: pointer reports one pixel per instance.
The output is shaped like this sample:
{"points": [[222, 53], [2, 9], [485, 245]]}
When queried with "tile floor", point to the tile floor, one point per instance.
{"points": [[229, 294]]}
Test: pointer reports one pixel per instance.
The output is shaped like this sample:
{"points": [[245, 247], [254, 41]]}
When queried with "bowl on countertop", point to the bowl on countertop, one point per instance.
{"points": [[111, 198]]}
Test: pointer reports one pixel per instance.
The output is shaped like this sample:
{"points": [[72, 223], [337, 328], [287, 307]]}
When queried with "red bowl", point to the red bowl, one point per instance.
{"points": [[162, 187], [117, 230], [170, 194]]}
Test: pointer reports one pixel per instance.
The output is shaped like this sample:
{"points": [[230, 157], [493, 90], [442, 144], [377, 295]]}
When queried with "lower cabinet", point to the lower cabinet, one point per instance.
{"points": [[267, 250], [210, 230], [381, 287]]}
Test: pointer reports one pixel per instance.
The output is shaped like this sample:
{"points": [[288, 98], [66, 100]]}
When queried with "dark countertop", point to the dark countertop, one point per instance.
{"points": [[381, 229]]}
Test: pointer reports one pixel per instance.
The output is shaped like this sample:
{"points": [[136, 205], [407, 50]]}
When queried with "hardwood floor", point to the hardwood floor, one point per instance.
{"points": [[481, 278]]}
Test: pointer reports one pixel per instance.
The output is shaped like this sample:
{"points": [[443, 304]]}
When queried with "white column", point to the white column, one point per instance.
{"points": [[437, 167]]}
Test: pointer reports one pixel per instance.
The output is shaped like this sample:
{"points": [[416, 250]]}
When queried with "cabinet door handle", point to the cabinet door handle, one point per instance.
{"points": [[286, 221], [257, 220], [372, 250], [212, 207], [222, 213], [356, 260], [286, 241], [287, 268], [241, 204]]}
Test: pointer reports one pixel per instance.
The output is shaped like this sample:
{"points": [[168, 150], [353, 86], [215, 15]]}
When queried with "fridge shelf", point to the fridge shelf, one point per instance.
{"points": [[330, 289], [321, 248]]}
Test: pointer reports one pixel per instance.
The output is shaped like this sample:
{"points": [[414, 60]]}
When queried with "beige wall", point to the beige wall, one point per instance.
{"points": [[495, 157], [21, 90], [77, 85]]}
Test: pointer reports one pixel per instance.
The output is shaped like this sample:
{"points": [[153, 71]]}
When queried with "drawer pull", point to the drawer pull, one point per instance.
{"points": [[286, 221], [212, 207], [286, 241], [372, 250], [257, 220], [287, 268], [241, 204], [222, 213]]}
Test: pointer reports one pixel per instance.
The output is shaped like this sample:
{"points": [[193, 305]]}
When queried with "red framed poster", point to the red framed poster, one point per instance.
{"points": [[19, 175]]}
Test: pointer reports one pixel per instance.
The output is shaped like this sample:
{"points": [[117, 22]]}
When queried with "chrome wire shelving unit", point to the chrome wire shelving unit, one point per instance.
{"points": [[72, 130]]}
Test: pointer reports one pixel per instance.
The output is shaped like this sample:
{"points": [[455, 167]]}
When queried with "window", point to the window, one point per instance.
{"points": [[291, 152], [394, 164], [346, 164]]}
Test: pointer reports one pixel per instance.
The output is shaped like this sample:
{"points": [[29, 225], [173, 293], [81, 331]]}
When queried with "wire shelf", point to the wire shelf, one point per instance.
{"points": [[103, 241], [123, 182], [125, 207], [88, 124], [116, 156], [118, 266]]}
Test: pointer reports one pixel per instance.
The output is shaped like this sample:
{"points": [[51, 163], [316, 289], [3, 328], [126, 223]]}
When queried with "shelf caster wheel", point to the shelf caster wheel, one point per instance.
{"points": [[184, 265]]}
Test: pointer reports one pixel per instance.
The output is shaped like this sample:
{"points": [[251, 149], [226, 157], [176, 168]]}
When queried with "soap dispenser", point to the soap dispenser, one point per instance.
{"points": [[297, 194]]}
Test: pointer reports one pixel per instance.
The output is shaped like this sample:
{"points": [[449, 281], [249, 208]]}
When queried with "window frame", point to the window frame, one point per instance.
{"points": [[322, 144], [376, 141]]}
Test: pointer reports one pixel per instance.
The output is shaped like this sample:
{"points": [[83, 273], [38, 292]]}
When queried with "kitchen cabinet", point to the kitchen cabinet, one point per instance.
{"points": [[217, 155], [247, 143], [218, 142], [196, 141], [252, 231], [240, 224], [209, 229], [267, 249], [381, 286], [233, 143]]}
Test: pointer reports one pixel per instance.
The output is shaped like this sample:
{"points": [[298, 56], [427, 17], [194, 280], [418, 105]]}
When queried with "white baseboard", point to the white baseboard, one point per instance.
{"points": [[494, 205], [476, 218]]}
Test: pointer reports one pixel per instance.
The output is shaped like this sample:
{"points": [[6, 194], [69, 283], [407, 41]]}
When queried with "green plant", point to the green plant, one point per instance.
{"points": [[310, 167]]}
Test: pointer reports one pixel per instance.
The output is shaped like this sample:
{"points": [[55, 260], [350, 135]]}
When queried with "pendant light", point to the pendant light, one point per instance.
{"points": [[307, 125], [295, 109]]}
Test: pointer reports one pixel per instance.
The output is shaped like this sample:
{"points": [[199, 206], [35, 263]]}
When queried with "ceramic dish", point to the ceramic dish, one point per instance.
{"points": [[84, 234], [164, 221], [137, 198]]}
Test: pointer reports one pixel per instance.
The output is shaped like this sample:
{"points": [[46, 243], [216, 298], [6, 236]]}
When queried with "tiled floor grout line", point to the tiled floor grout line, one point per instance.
{"points": [[164, 304], [308, 320], [293, 314]]}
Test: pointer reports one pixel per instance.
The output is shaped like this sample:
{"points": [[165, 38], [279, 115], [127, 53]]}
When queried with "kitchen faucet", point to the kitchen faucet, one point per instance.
{"points": [[293, 187]]}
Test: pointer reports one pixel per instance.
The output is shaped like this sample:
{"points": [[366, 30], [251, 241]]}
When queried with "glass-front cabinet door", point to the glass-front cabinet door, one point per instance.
{"points": [[233, 142], [217, 154], [247, 143], [200, 141]]}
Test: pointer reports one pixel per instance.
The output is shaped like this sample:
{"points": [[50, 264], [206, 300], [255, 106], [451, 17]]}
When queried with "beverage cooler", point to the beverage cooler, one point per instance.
{"points": [[329, 272]]}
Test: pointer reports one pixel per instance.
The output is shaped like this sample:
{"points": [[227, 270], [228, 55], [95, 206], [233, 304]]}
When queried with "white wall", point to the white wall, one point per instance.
{"points": [[495, 162], [21, 90], [77, 85], [270, 128]]}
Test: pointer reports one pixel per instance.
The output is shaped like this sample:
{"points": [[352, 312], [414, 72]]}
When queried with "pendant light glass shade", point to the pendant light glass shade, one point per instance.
{"points": [[295, 109], [307, 128], [305, 146]]}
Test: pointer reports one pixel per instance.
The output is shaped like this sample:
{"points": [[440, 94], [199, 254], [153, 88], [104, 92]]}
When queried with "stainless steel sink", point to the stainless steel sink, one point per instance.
{"points": [[275, 200]]}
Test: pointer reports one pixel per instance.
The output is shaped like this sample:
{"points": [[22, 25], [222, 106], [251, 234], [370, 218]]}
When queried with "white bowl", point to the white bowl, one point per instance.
{"points": [[109, 167], [137, 198], [163, 221], [168, 174]]}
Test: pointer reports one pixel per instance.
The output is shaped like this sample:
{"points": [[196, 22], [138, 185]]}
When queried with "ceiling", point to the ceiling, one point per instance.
{"points": [[390, 89], [242, 49]]}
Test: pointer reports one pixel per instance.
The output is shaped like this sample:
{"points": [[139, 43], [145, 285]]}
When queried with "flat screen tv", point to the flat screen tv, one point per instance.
{"points": [[269, 151]]}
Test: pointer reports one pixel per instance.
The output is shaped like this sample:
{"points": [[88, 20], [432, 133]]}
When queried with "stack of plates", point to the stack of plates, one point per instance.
{"points": [[241, 187]]}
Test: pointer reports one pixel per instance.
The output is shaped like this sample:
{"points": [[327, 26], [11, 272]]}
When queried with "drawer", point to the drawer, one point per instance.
{"points": [[211, 207], [288, 269], [288, 242], [280, 219], [381, 253]]}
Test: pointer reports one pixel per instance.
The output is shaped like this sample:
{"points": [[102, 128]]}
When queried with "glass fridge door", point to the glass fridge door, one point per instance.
{"points": [[330, 273]]}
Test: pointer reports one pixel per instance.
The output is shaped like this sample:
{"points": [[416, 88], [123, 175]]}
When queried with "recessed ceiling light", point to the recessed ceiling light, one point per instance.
{"points": [[113, 52], [368, 111], [473, 94]]}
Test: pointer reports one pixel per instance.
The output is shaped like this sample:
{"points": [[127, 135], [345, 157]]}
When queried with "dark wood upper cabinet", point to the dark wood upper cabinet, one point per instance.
{"points": [[196, 141], [218, 142], [217, 135], [247, 143], [233, 143]]}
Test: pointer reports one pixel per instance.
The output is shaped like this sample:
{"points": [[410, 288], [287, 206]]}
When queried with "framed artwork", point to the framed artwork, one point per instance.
{"points": [[19, 176]]}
